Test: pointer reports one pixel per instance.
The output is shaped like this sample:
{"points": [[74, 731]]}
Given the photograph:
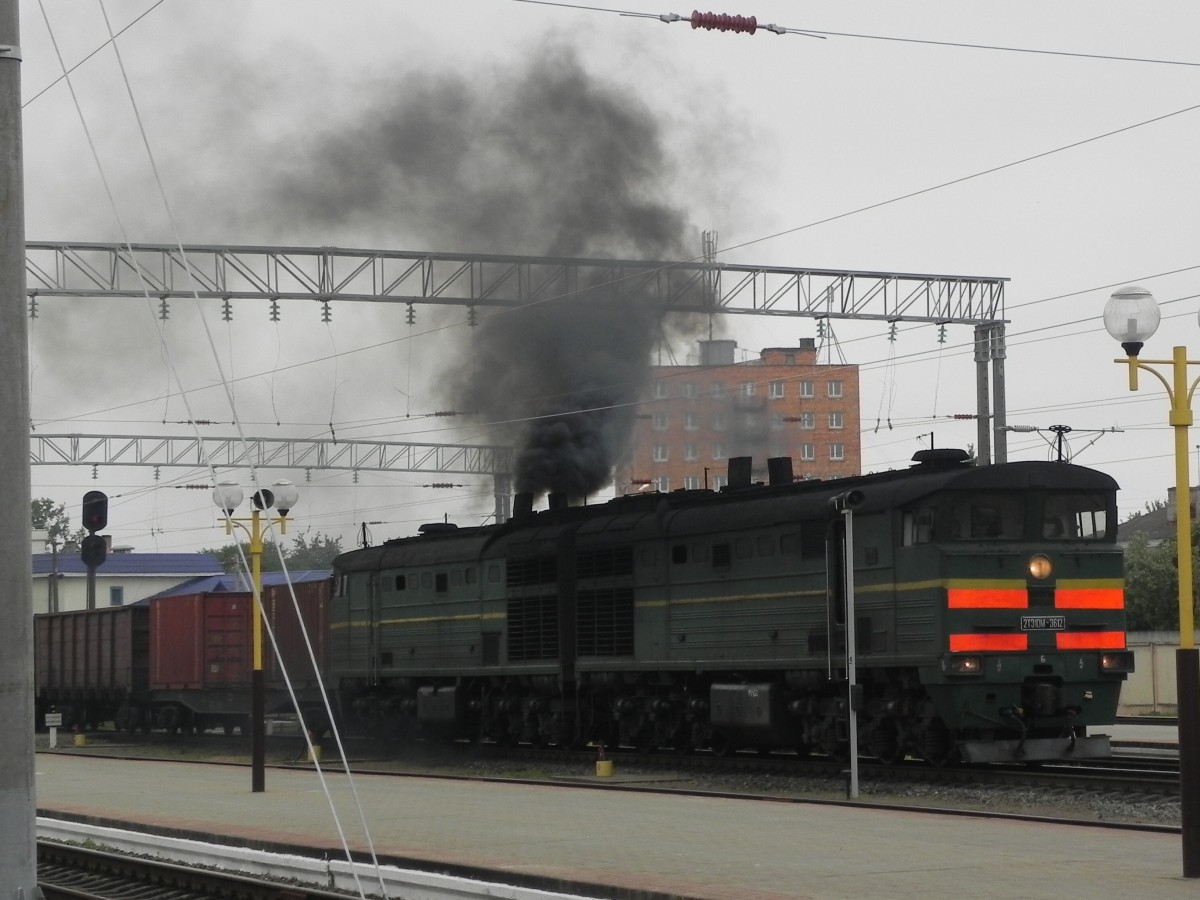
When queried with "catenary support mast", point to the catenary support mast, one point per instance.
{"points": [[18, 809]]}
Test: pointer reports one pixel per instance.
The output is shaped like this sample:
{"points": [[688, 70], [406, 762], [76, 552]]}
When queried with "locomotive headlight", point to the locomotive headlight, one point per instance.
{"points": [[1116, 661], [1040, 566], [963, 665]]}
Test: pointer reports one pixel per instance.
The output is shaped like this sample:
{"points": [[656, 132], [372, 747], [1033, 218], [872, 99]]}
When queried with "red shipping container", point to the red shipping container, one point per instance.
{"points": [[200, 641], [203, 641], [312, 599]]}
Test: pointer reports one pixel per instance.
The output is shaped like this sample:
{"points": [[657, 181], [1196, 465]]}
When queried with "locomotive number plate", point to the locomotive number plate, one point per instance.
{"points": [[1043, 623]]}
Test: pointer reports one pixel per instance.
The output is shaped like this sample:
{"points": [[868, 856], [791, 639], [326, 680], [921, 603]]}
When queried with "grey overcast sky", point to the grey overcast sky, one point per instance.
{"points": [[1051, 144]]}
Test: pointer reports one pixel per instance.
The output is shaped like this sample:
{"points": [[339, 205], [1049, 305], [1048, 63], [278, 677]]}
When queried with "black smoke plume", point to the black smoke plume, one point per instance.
{"points": [[544, 161]]}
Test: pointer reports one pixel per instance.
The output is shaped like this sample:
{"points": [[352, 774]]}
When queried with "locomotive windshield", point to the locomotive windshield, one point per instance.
{"points": [[1007, 516], [1075, 516]]}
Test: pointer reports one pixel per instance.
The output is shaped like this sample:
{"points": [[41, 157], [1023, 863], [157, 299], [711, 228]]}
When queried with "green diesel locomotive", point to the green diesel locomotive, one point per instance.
{"points": [[985, 606]]}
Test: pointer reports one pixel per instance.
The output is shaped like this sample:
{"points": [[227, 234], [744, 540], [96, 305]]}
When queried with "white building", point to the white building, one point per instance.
{"points": [[60, 579]]}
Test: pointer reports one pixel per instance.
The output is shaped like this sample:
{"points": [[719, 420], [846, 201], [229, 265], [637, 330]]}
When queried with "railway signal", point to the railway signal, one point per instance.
{"points": [[93, 549], [95, 511]]}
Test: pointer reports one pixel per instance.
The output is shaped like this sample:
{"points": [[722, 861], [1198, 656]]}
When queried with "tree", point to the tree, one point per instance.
{"points": [[314, 553], [46, 514], [304, 553], [1152, 582]]}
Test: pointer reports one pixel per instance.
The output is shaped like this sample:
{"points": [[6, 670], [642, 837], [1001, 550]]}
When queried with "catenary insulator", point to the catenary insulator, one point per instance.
{"points": [[724, 22]]}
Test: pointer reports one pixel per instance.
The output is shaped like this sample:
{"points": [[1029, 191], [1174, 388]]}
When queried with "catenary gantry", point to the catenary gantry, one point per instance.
{"points": [[167, 271], [332, 275], [290, 453]]}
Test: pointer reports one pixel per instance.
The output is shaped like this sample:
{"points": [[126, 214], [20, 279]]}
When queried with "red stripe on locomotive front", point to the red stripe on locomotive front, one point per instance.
{"points": [[987, 598], [1090, 640], [1089, 598]]}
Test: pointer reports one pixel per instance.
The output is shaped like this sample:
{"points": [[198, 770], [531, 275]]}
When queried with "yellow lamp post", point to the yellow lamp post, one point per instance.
{"points": [[282, 496], [1132, 316]]}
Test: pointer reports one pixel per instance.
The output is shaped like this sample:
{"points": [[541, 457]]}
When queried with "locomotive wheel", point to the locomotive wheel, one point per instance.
{"points": [[646, 740], [681, 741], [937, 744], [835, 748], [884, 742]]}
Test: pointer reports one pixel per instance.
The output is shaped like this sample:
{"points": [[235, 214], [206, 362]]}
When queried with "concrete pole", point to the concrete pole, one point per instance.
{"points": [[18, 809], [999, 397], [983, 411]]}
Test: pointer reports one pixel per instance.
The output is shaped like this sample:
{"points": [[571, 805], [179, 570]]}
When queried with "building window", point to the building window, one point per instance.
{"points": [[807, 389], [748, 388], [718, 451], [835, 420], [777, 421], [691, 453], [720, 422], [719, 481], [689, 390], [808, 421], [663, 483], [776, 390], [660, 390], [660, 421], [691, 482], [789, 359], [691, 421], [834, 388], [718, 390], [837, 451], [808, 452], [116, 596], [661, 453]]}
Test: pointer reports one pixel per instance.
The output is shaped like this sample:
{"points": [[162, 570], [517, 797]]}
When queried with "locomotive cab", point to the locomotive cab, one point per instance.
{"points": [[1031, 606]]}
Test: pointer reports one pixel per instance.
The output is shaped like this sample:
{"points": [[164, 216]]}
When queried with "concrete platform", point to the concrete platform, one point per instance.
{"points": [[626, 845]]}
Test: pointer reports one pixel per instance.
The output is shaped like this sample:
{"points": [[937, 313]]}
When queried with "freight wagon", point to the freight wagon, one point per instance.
{"points": [[182, 662]]}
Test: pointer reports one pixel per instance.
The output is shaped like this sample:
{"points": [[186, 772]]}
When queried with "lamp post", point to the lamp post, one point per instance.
{"points": [[1132, 316], [282, 496]]}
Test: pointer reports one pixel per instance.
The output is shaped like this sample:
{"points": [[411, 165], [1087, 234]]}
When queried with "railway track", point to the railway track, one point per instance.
{"points": [[72, 872]]}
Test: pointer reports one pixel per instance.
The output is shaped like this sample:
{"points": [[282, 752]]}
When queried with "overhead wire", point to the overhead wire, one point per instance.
{"points": [[826, 220], [845, 214], [671, 18]]}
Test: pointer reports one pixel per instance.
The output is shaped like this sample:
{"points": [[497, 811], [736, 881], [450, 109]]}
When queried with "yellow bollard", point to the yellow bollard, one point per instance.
{"points": [[604, 768], [314, 753], [81, 740]]}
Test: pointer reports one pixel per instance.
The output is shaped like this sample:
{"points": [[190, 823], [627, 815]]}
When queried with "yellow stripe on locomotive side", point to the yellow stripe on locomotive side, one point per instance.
{"points": [[422, 620], [948, 584]]}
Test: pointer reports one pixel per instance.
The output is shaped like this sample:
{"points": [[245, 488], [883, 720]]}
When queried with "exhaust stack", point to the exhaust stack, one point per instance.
{"points": [[522, 506], [779, 470]]}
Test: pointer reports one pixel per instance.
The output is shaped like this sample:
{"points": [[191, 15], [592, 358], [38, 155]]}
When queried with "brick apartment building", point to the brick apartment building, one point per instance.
{"points": [[695, 417]]}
